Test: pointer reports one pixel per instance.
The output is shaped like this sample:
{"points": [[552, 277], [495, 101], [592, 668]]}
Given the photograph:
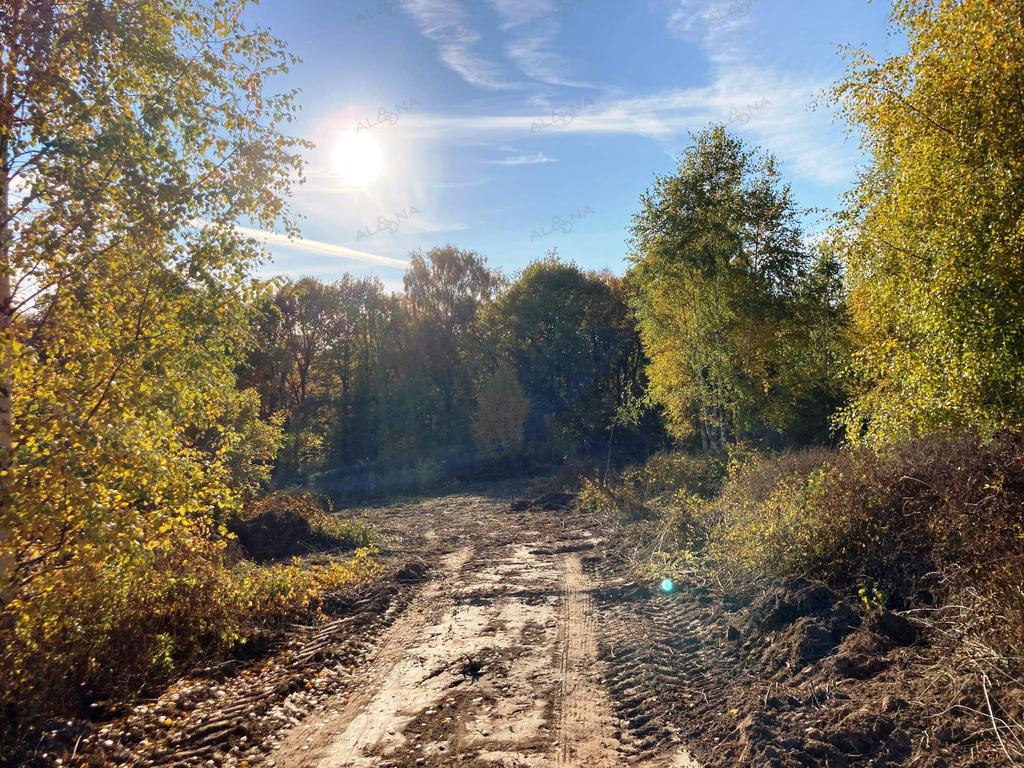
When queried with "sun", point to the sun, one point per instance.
{"points": [[358, 159]]}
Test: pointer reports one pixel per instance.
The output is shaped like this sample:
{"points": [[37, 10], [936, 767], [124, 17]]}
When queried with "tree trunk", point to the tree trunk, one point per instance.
{"points": [[7, 562], [6, 314], [6, 297], [608, 460]]}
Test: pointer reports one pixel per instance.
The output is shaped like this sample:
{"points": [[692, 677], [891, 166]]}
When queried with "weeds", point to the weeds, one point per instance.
{"points": [[97, 637]]}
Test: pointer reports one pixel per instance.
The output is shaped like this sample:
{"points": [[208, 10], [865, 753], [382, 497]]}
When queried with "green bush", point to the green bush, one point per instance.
{"points": [[761, 520]]}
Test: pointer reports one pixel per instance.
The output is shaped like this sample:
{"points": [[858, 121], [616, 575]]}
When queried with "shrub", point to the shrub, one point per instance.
{"points": [[101, 635], [641, 492], [429, 474], [895, 519], [758, 521], [935, 522]]}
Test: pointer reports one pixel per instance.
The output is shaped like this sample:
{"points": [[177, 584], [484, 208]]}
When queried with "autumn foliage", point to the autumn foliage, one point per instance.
{"points": [[153, 394]]}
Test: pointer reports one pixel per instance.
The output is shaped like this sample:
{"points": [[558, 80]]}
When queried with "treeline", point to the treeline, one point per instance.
{"points": [[740, 327], [463, 372]]}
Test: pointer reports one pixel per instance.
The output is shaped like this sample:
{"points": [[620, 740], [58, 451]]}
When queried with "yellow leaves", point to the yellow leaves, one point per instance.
{"points": [[930, 259]]}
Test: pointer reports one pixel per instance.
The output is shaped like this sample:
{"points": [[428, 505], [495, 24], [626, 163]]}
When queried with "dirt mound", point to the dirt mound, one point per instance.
{"points": [[791, 674], [795, 623], [285, 525], [553, 501]]}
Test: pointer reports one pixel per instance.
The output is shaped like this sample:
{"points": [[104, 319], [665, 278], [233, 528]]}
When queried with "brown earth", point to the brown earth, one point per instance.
{"points": [[517, 637]]}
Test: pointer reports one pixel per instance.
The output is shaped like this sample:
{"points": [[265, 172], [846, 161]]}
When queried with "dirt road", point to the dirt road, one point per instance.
{"points": [[494, 662], [503, 638]]}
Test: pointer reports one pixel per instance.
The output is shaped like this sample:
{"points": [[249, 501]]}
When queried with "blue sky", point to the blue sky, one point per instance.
{"points": [[513, 126]]}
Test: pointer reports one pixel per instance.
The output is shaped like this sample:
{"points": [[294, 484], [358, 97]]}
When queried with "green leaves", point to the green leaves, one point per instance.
{"points": [[725, 310]]}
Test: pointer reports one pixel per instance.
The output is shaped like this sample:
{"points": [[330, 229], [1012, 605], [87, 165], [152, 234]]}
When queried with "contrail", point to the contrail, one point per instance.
{"points": [[314, 246]]}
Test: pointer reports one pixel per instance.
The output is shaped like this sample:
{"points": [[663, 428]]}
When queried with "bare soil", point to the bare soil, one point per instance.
{"points": [[509, 634], [496, 661]]}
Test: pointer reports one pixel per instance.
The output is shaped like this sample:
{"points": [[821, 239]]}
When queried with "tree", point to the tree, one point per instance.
{"points": [[717, 282], [501, 411], [932, 235], [569, 335], [318, 358], [132, 136], [445, 288]]}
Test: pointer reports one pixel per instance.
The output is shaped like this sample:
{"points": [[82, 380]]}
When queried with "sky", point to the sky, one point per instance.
{"points": [[510, 127]]}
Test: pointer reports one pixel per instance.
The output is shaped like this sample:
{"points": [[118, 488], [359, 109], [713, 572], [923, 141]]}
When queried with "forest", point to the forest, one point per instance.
{"points": [[745, 399]]}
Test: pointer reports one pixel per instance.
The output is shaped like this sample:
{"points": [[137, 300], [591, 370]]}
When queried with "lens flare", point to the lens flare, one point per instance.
{"points": [[667, 586]]}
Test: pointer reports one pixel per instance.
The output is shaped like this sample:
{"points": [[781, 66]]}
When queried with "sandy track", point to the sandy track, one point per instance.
{"points": [[494, 663]]}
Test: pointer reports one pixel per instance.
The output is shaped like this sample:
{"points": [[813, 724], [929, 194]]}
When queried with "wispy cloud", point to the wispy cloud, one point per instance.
{"points": [[612, 118], [534, 25], [444, 23], [318, 247], [709, 18], [537, 159], [782, 122], [457, 184], [785, 124]]}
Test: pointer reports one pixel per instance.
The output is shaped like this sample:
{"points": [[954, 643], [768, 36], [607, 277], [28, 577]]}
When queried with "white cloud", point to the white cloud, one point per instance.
{"points": [[538, 159], [425, 225], [534, 25], [444, 22], [709, 18], [612, 119], [771, 108]]}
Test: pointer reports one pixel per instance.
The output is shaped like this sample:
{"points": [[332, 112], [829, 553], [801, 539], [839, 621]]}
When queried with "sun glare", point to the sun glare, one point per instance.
{"points": [[358, 159]]}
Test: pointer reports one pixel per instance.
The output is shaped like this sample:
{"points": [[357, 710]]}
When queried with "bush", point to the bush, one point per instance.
{"points": [[98, 636], [758, 521], [667, 479], [290, 523], [429, 474], [896, 519], [934, 523]]}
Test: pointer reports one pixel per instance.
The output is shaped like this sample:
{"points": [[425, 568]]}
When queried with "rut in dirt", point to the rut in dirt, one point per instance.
{"points": [[496, 660]]}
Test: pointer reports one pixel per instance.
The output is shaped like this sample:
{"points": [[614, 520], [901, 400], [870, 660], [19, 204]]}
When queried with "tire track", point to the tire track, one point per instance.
{"points": [[344, 735], [584, 721]]}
